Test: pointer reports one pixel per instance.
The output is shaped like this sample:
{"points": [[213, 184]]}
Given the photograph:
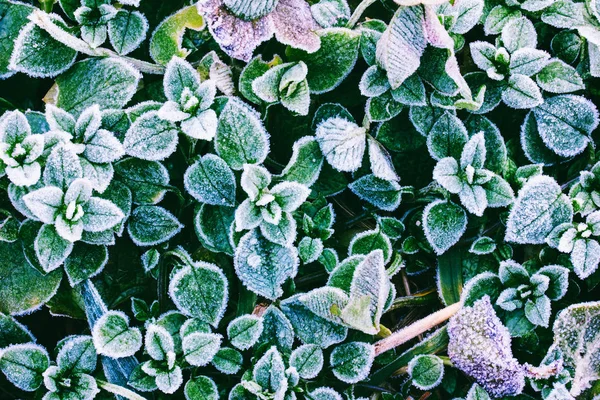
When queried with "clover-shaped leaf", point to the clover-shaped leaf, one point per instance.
{"points": [[114, 337]]}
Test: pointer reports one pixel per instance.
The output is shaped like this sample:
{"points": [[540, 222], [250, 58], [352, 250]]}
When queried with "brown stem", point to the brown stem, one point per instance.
{"points": [[413, 330]]}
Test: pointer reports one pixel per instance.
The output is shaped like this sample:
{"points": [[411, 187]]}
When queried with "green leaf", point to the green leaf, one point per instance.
{"points": [[351, 362], [23, 365], [84, 262], [62, 167], [263, 266], [331, 64], [383, 194], [114, 338], [108, 82], [151, 225], [228, 360], [411, 92], [244, 331], [213, 225], [447, 137], [426, 371], [498, 17], [538, 310], [269, 373], [77, 355], [342, 143], [147, 180], [51, 249], [201, 387], [199, 348], [305, 163], [151, 138], [539, 208], [450, 275], [559, 77], [444, 224], [528, 61], [13, 332], [308, 360], [200, 290], [37, 54], [324, 393], [366, 242], [521, 92], [519, 33], [127, 30], [311, 328], [241, 137], [483, 245], [330, 13], [585, 257], [326, 302], [13, 17], [277, 330], [565, 123], [563, 14], [167, 39], [383, 108], [373, 82], [310, 249], [210, 180]]}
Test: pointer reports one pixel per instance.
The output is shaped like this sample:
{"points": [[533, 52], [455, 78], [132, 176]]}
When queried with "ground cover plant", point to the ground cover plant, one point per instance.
{"points": [[290, 199]]}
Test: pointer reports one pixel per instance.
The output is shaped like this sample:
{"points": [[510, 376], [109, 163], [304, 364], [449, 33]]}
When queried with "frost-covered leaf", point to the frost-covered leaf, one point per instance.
{"points": [[326, 302], [108, 82], [62, 167], [559, 77], [521, 92], [411, 92], [13, 332], [305, 163], [44, 203], [444, 224], [381, 161], [383, 194], [77, 354], [539, 208], [309, 327], [565, 123], [146, 179], [483, 245], [151, 138], [369, 291], [114, 338], [426, 371], [325, 393], [374, 82], [498, 18], [201, 291], [23, 288], [84, 262], [330, 13], [199, 348], [382, 108], [201, 387], [13, 19], [351, 362], [269, 373], [401, 46], [277, 330], [585, 257], [468, 14], [537, 310], [447, 137], [50, 248], [368, 241], [213, 225], [342, 142], [100, 215], [241, 137], [39, 55], [310, 249], [151, 225], [308, 360], [167, 38], [127, 30], [480, 347], [228, 360], [332, 62], [528, 61], [290, 195], [211, 181], [244, 331], [576, 337], [264, 266], [519, 33], [564, 14], [23, 365]]}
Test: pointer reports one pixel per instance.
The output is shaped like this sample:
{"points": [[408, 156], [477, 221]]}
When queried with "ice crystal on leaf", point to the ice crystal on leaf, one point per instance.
{"points": [[20, 150], [240, 26]]}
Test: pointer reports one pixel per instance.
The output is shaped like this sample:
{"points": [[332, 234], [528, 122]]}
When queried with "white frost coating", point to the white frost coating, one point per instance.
{"points": [[114, 338], [528, 61], [326, 302], [342, 143], [299, 145], [254, 179], [437, 364], [522, 92], [519, 33], [480, 347], [386, 247], [244, 331], [442, 229], [381, 161], [199, 348], [351, 362], [446, 173], [44, 203], [158, 342], [368, 294], [325, 393], [269, 373], [483, 54], [200, 291], [308, 360], [151, 138], [539, 208], [290, 195]]}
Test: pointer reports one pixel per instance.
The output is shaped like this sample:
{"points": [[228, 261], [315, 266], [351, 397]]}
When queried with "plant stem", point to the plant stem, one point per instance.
{"points": [[404, 335], [43, 20], [358, 12], [119, 390]]}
